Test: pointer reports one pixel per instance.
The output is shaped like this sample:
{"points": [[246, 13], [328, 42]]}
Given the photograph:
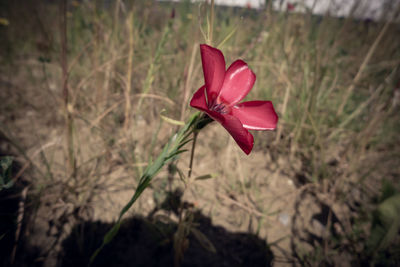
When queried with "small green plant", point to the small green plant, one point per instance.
{"points": [[6, 181], [385, 224]]}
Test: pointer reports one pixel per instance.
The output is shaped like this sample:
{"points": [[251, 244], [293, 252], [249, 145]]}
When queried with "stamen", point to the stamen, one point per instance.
{"points": [[220, 108]]}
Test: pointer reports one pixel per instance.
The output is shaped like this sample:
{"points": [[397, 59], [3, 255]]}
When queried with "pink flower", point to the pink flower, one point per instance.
{"points": [[222, 92]]}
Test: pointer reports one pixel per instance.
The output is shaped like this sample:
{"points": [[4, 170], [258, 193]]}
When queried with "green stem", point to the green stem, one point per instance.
{"points": [[195, 133]]}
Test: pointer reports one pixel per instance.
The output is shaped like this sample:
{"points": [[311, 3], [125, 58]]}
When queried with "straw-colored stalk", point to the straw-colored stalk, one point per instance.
{"points": [[362, 68], [211, 25], [129, 74], [188, 82], [109, 69], [68, 108]]}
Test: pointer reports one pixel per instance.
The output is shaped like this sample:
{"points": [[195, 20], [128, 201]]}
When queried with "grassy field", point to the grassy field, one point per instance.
{"points": [[92, 91]]}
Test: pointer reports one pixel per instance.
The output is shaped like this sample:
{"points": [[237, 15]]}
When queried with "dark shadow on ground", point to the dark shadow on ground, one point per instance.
{"points": [[149, 242]]}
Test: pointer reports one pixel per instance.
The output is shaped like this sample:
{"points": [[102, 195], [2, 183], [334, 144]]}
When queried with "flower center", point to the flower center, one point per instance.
{"points": [[220, 108]]}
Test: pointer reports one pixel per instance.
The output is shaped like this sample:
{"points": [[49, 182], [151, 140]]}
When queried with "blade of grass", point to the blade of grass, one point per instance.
{"points": [[154, 64], [130, 23], [365, 62]]}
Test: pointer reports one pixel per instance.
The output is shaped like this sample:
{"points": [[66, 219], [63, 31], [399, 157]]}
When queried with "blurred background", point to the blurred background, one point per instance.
{"points": [[92, 90]]}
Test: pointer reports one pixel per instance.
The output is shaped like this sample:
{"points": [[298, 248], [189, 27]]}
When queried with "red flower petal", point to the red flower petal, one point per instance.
{"points": [[233, 125], [256, 115], [239, 80], [214, 70], [223, 90], [235, 128], [199, 99]]}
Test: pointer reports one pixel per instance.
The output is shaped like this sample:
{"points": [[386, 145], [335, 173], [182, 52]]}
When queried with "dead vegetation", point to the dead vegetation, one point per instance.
{"points": [[310, 189]]}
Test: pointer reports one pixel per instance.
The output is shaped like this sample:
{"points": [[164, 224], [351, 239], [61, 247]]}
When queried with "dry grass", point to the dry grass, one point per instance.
{"points": [[332, 82]]}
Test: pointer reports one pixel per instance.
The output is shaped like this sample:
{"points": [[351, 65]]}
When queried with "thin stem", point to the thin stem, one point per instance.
{"points": [[211, 23], [364, 64], [66, 96], [195, 133], [128, 88]]}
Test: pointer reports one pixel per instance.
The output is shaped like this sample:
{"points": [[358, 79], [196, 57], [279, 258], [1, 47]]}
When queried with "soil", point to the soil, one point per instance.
{"points": [[247, 212]]}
